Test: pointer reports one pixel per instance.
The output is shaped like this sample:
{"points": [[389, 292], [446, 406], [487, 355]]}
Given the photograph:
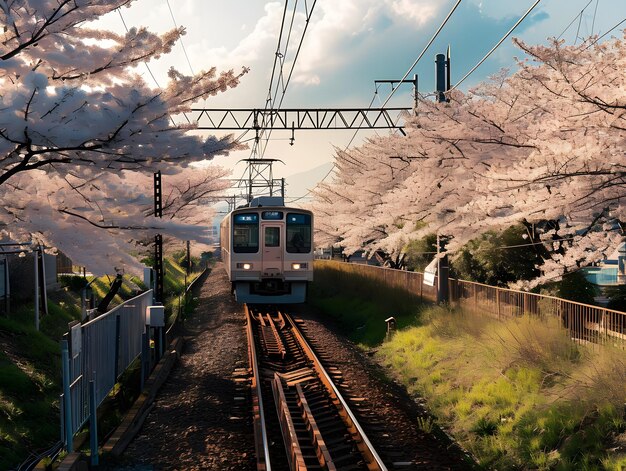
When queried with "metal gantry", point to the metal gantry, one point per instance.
{"points": [[298, 118]]}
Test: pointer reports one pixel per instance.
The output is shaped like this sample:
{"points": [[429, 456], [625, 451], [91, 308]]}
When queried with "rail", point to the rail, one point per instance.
{"points": [[317, 427], [260, 433], [363, 443]]}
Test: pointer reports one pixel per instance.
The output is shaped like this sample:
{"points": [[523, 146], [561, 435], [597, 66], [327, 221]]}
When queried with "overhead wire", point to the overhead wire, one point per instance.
{"points": [[573, 20], [419, 57], [497, 44], [595, 12], [280, 84], [600, 37], [580, 20], [277, 56], [119, 11], [183, 47], [293, 63], [448, 16], [181, 39]]}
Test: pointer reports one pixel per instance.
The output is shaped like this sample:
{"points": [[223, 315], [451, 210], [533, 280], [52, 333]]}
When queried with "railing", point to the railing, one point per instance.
{"points": [[585, 323], [99, 351]]}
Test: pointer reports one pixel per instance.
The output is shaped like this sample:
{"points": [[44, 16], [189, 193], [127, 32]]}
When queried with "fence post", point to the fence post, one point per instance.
{"points": [[67, 398], [117, 347], [144, 357], [475, 297], [421, 281], [498, 301], [93, 422]]}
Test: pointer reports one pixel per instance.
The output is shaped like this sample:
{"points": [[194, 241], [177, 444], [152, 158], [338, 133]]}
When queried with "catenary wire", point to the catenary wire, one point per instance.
{"points": [[181, 39], [600, 37], [573, 20], [424, 50], [293, 64], [432, 39], [595, 12], [497, 44]]}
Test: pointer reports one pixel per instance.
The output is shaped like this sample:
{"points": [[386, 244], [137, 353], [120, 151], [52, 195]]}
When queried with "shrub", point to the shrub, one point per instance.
{"points": [[74, 283]]}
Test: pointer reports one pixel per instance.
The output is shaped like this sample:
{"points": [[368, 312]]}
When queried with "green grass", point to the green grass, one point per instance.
{"points": [[517, 394], [29, 386], [360, 305], [30, 364]]}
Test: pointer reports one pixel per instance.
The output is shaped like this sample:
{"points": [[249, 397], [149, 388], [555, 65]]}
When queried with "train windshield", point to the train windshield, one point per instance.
{"points": [[246, 233], [298, 233]]}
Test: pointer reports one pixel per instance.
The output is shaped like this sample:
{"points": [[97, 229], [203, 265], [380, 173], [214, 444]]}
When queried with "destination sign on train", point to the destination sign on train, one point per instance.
{"points": [[246, 218]]}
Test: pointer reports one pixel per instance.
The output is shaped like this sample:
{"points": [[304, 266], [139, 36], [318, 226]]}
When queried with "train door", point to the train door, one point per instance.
{"points": [[272, 254]]}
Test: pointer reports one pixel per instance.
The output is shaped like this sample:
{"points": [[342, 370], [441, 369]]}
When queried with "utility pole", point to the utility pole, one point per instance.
{"points": [[443, 86], [443, 294], [442, 73], [159, 333], [158, 239]]}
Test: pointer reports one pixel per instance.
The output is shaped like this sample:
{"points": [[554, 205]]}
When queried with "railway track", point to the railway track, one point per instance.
{"points": [[295, 403]]}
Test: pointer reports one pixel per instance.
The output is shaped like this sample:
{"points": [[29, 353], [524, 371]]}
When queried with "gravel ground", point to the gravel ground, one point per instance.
{"points": [[200, 420], [399, 427]]}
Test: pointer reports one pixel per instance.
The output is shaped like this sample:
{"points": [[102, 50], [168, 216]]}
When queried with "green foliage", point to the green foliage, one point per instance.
{"points": [[74, 283], [420, 252], [30, 363], [485, 259], [29, 385], [617, 297], [574, 287]]}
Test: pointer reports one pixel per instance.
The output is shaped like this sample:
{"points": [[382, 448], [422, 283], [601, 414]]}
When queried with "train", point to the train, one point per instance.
{"points": [[267, 250]]}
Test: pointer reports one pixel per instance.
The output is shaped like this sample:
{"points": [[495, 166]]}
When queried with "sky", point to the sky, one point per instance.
{"points": [[348, 45]]}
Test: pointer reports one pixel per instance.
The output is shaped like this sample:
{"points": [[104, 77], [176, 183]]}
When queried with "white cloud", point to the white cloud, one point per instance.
{"points": [[419, 11], [332, 31]]}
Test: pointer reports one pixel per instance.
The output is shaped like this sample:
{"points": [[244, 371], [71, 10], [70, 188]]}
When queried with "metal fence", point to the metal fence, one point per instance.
{"points": [[586, 324], [99, 351]]}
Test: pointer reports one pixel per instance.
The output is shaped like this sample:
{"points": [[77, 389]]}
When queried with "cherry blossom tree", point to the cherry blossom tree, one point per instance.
{"points": [[543, 144], [81, 133]]}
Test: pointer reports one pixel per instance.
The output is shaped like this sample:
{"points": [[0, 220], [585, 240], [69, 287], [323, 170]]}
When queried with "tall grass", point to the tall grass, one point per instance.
{"points": [[518, 394]]}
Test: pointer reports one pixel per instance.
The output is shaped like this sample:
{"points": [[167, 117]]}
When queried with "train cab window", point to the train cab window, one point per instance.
{"points": [[246, 233], [298, 233], [272, 237]]}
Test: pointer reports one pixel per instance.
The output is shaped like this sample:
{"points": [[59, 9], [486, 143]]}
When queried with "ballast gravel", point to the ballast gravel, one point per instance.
{"points": [[200, 419]]}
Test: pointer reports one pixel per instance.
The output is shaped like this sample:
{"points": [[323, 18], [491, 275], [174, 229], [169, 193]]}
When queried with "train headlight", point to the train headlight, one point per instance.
{"points": [[299, 266], [244, 266]]}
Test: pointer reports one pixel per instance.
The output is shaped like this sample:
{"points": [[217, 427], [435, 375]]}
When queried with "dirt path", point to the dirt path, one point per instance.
{"points": [[196, 422]]}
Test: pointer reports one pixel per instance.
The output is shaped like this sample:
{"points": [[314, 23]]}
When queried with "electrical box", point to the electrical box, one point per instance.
{"points": [[155, 316]]}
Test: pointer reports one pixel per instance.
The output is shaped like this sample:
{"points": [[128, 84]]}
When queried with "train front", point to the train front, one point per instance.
{"points": [[272, 254]]}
